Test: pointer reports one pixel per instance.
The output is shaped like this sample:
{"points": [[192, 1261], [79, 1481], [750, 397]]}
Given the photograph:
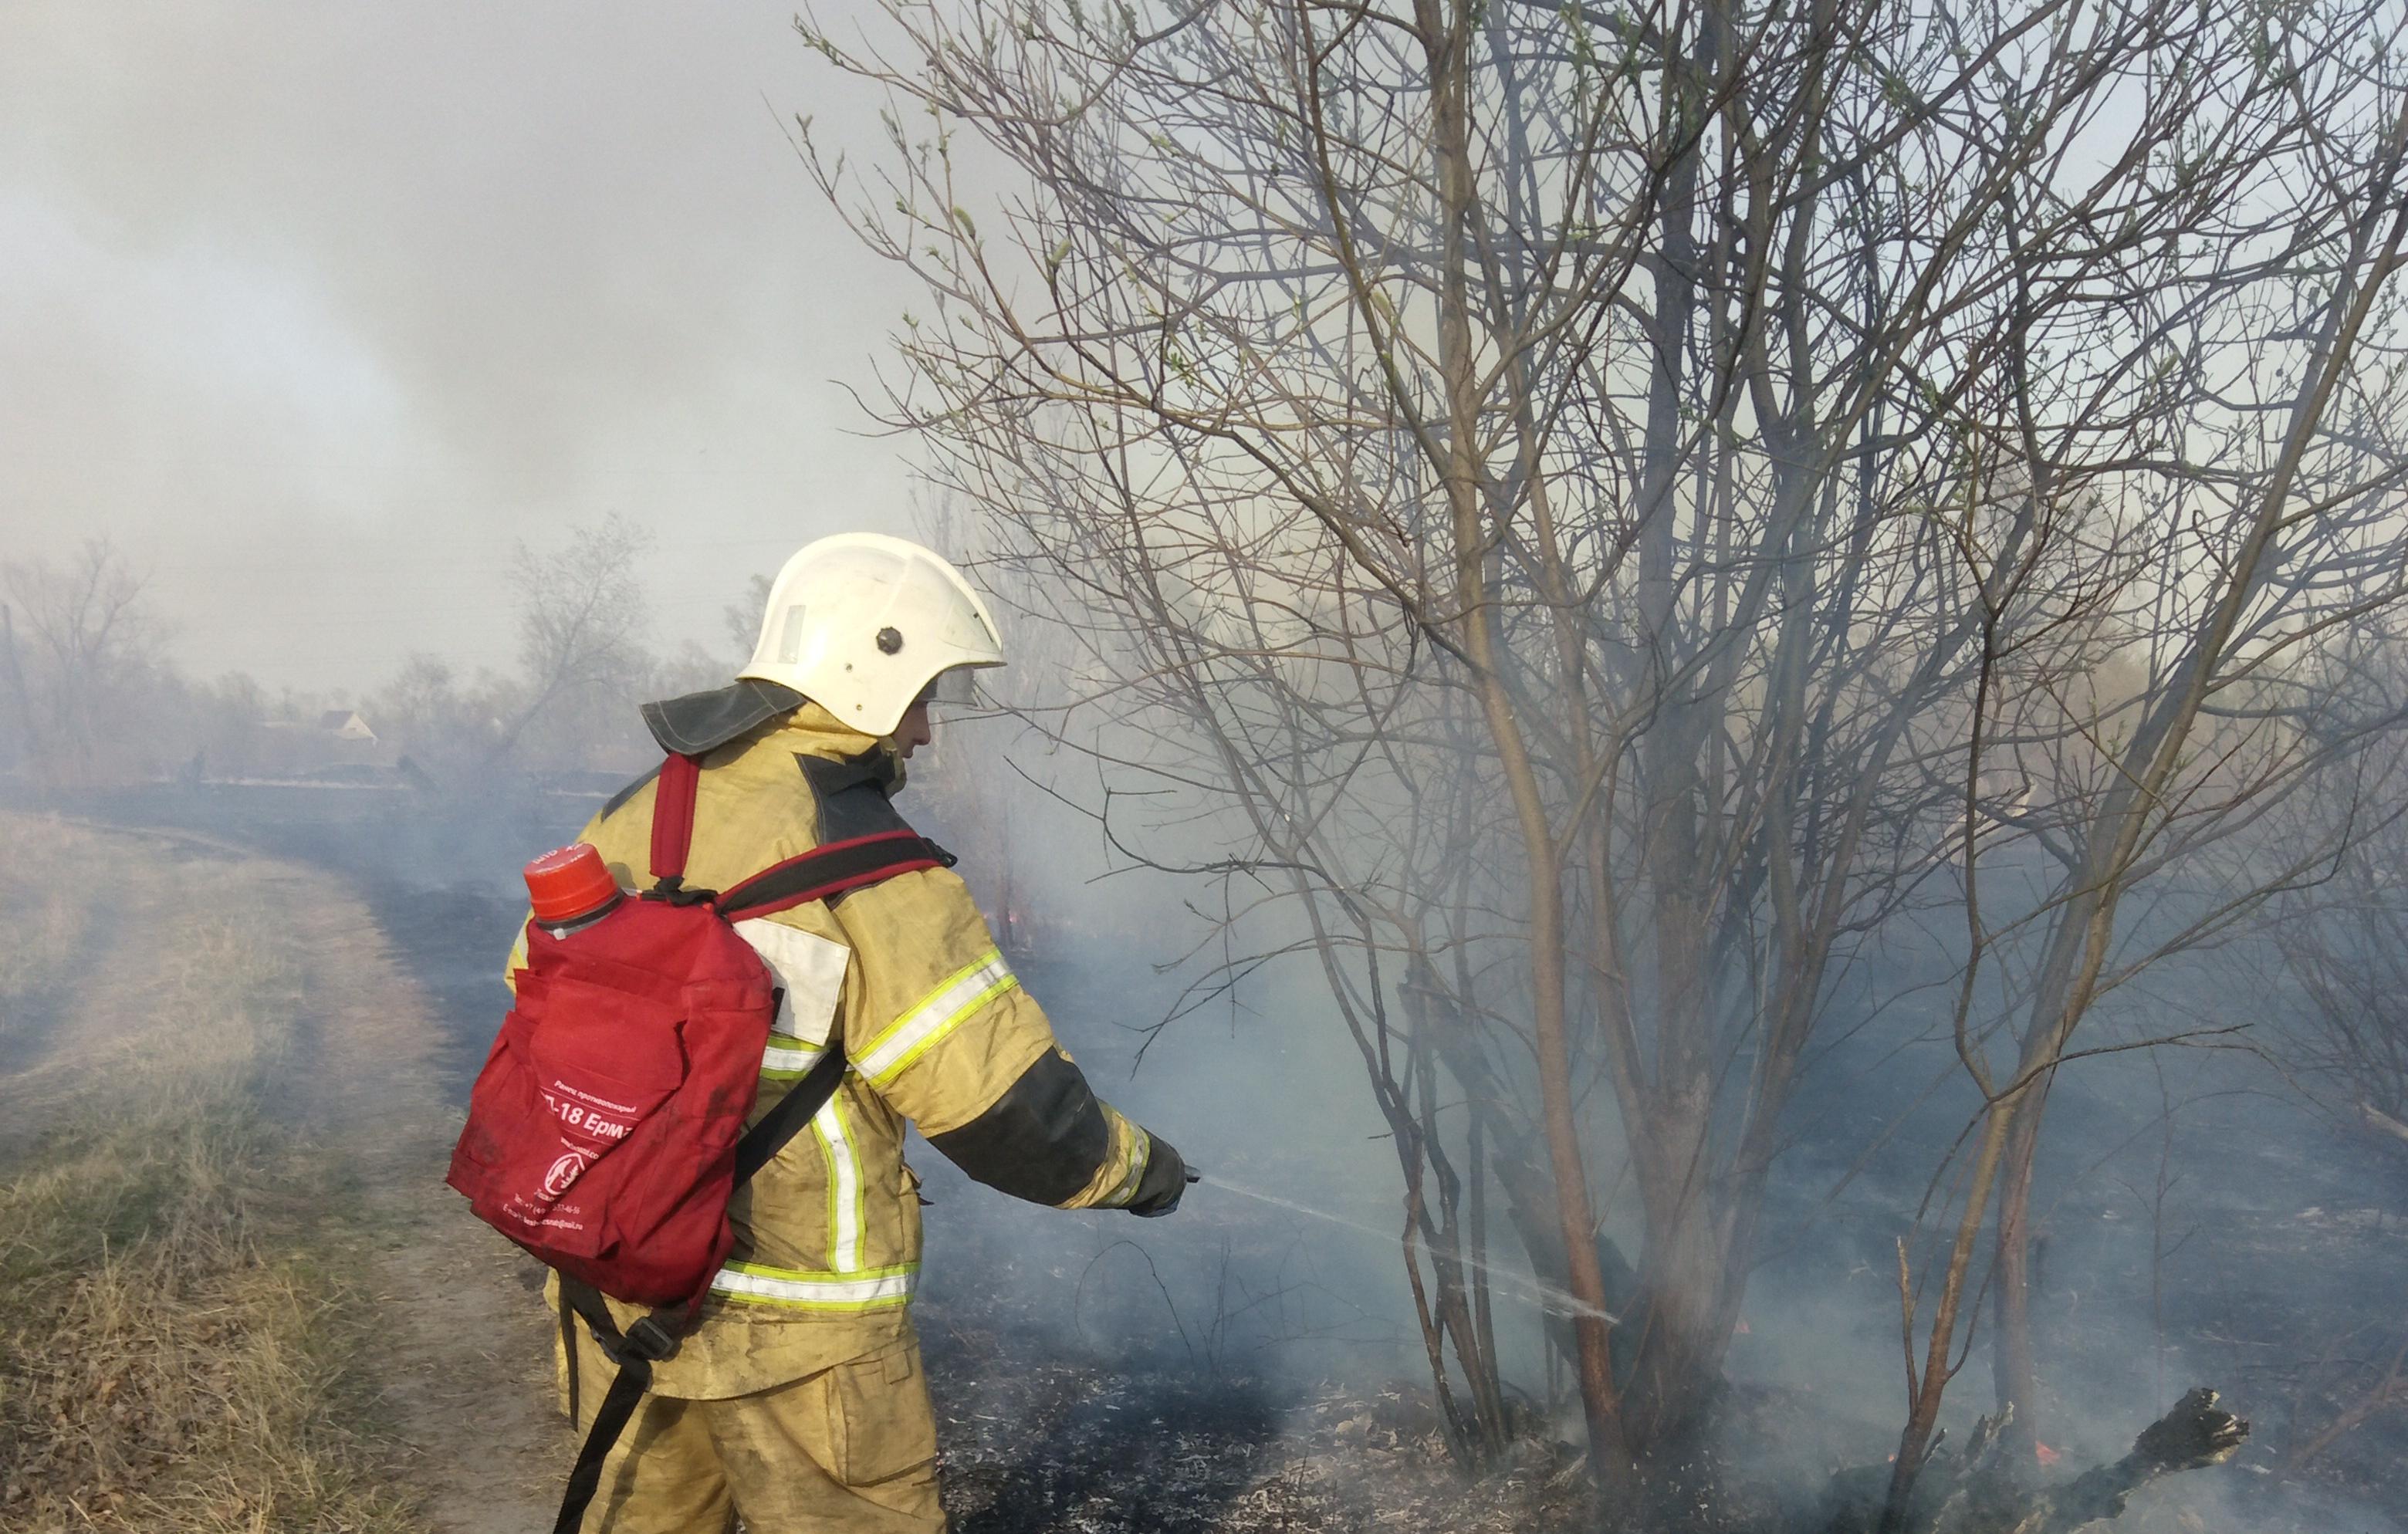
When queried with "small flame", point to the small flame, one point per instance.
{"points": [[2047, 1455]]}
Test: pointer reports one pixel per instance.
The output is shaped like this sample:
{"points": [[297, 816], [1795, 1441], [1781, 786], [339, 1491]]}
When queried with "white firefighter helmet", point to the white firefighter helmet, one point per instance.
{"points": [[862, 625]]}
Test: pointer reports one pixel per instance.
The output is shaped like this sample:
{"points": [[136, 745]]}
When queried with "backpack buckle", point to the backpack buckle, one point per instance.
{"points": [[648, 1339]]}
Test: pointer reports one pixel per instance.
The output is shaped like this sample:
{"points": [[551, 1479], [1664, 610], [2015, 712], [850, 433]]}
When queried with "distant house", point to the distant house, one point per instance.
{"points": [[302, 746], [346, 724]]}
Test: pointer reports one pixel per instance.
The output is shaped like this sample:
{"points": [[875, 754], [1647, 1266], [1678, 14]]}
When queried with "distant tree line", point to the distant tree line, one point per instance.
{"points": [[90, 692]]}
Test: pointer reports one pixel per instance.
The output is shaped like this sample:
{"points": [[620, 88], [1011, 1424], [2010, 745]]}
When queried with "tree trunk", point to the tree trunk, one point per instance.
{"points": [[1928, 1385], [1446, 40], [2013, 1365], [1683, 1335]]}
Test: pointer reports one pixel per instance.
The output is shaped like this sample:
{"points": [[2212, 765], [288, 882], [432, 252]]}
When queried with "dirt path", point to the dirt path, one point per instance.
{"points": [[471, 1386], [101, 992]]}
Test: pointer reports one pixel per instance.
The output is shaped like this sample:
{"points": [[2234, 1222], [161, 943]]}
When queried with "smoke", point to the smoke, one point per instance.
{"points": [[1260, 1087], [2198, 1223], [325, 312], [322, 311]]}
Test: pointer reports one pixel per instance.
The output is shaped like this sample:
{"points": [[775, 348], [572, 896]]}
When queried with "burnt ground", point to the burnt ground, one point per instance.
{"points": [[1082, 1384], [1038, 1443]]}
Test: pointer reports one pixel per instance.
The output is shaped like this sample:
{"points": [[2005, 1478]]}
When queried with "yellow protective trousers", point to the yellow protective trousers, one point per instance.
{"points": [[848, 1450]]}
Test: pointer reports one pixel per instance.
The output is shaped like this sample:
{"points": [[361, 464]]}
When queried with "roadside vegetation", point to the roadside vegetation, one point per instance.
{"points": [[181, 1347], [46, 913]]}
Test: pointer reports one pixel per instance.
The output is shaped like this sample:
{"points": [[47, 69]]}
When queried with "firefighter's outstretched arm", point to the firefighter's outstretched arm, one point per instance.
{"points": [[949, 1037]]}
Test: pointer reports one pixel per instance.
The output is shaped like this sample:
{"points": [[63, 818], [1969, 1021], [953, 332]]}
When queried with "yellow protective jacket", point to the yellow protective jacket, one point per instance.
{"points": [[907, 976]]}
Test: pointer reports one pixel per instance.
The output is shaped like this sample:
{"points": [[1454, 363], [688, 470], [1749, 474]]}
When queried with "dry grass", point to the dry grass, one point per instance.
{"points": [[47, 897], [181, 1344]]}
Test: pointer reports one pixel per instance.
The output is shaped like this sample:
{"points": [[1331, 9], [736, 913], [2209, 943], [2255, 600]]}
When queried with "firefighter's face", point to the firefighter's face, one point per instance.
{"points": [[916, 730]]}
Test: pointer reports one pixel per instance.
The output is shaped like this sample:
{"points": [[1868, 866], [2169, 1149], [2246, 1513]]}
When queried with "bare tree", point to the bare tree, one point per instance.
{"points": [[2234, 417], [1551, 493], [80, 640], [740, 620], [2343, 944], [581, 627]]}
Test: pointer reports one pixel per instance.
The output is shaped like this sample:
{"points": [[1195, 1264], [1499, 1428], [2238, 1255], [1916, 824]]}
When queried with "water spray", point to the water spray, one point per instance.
{"points": [[1529, 1285]]}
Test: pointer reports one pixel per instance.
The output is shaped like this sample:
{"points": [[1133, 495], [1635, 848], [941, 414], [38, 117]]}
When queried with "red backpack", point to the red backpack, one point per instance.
{"points": [[606, 1131]]}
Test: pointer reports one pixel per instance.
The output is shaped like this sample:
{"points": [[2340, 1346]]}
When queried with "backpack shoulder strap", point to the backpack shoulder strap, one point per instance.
{"points": [[803, 1100], [830, 871], [673, 817], [825, 872]]}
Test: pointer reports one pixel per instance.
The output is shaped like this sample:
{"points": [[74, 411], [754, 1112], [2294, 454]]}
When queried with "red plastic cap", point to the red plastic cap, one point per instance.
{"points": [[569, 882]]}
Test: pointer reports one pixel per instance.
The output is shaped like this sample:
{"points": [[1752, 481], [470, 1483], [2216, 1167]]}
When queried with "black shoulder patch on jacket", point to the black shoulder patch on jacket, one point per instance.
{"points": [[852, 795], [1043, 1138], [701, 722]]}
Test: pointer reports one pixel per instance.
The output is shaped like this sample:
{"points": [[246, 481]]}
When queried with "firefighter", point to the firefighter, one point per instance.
{"points": [[796, 1400]]}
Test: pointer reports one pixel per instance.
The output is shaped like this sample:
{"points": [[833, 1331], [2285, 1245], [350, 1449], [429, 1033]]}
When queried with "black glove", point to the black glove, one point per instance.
{"points": [[1166, 1178]]}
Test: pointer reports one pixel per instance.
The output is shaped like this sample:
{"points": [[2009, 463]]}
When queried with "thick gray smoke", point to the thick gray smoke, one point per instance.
{"points": [[318, 316], [319, 312]]}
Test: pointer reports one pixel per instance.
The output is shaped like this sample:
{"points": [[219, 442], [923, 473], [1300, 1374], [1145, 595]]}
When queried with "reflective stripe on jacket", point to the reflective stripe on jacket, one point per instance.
{"points": [[939, 1031]]}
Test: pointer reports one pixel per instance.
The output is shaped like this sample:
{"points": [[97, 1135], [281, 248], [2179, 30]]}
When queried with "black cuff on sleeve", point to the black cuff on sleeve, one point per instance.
{"points": [[1159, 1190], [1042, 1140]]}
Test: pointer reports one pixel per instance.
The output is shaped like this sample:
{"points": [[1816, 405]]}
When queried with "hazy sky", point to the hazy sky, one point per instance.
{"points": [[318, 309]]}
